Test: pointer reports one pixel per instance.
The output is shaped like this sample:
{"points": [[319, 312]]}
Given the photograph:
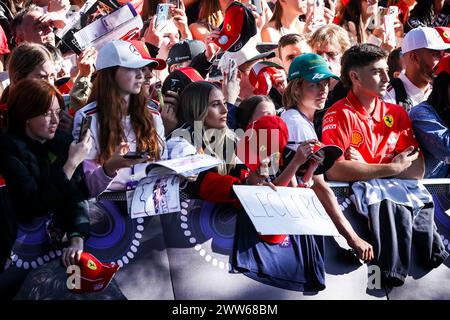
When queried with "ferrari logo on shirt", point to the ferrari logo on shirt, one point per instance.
{"points": [[389, 120], [91, 265], [357, 138]]}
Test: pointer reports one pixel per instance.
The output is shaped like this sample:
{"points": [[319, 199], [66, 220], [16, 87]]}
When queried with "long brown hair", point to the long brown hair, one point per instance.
{"points": [[195, 104], [110, 114], [27, 99], [210, 14], [277, 14], [290, 95], [352, 12]]}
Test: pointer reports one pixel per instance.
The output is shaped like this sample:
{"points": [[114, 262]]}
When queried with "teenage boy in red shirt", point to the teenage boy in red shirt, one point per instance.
{"points": [[379, 143], [378, 135]]}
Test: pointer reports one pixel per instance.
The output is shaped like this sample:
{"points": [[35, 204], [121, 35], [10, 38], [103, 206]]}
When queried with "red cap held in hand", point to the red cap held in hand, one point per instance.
{"points": [[95, 275], [262, 76], [237, 28]]}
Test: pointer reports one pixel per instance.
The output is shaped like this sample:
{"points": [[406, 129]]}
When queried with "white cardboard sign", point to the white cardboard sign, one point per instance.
{"points": [[285, 211]]}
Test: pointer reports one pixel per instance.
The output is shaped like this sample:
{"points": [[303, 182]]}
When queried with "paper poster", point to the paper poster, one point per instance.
{"points": [[285, 211], [156, 195], [189, 165]]}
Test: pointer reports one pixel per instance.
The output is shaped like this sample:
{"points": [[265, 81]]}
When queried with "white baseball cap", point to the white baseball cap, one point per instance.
{"points": [[423, 37], [123, 54], [246, 54]]}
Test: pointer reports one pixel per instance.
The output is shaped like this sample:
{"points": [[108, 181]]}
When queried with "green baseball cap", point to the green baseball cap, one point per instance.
{"points": [[311, 67]]}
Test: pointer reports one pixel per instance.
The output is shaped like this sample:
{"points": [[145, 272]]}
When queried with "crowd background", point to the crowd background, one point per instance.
{"points": [[370, 77]]}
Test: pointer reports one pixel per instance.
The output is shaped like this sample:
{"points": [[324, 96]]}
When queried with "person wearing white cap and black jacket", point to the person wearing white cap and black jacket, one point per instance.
{"points": [[421, 50]]}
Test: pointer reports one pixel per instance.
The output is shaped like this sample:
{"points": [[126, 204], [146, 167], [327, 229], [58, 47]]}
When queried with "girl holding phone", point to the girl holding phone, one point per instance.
{"points": [[122, 121], [41, 166]]}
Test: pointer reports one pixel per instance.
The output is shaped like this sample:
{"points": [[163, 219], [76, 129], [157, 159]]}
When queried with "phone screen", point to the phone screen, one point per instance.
{"points": [[318, 8], [258, 5], [85, 125], [162, 14]]}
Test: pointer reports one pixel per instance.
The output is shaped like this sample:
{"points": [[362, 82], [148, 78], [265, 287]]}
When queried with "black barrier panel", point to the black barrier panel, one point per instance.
{"points": [[186, 255]]}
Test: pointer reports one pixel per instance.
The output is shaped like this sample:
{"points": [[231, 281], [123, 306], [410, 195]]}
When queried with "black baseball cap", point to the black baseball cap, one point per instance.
{"points": [[185, 51]]}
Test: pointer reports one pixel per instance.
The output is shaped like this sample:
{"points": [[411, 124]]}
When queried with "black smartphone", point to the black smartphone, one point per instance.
{"points": [[135, 155], [59, 82], [413, 152], [85, 125], [266, 46]]}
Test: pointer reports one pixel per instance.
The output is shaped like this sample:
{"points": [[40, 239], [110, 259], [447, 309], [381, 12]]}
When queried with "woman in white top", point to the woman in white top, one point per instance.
{"points": [[122, 121], [309, 77]]}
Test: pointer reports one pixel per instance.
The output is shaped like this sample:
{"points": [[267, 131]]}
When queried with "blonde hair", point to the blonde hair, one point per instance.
{"points": [[330, 34], [290, 97], [25, 58], [195, 101], [22, 61]]}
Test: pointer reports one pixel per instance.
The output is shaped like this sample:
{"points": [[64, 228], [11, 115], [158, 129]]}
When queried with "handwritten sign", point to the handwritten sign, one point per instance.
{"points": [[285, 211]]}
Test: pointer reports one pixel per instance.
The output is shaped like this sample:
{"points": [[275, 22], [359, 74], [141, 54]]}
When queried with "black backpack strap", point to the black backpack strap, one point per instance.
{"points": [[401, 97]]}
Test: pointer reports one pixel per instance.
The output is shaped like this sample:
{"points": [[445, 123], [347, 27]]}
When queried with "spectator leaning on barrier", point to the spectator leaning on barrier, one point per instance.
{"points": [[421, 50], [379, 142], [122, 121], [309, 77], [366, 128], [431, 123], [204, 130], [41, 165]]}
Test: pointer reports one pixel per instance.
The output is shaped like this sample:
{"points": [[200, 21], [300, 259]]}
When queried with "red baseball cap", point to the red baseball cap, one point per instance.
{"points": [[4, 49], [237, 28], [261, 75], [143, 50], [95, 275], [265, 137], [444, 32], [443, 65]]}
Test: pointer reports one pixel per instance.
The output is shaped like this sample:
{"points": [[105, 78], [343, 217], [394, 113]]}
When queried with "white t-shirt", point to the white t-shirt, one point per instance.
{"points": [[299, 128], [415, 94]]}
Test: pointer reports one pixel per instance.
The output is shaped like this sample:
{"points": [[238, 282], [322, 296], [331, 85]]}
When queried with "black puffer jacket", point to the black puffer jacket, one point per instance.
{"points": [[36, 183]]}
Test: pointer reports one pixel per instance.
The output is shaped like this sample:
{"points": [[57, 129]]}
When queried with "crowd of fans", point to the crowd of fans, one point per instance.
{"points": [[336, 73]]}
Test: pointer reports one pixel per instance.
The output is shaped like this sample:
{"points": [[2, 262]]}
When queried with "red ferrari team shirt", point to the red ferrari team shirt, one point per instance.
{"points": [[379, 136]]}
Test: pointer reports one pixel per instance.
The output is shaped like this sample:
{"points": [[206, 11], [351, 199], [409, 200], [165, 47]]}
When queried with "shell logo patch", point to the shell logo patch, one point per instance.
{"points": [[357, 138], [389, 120], [91, 265], [228, 27]]}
